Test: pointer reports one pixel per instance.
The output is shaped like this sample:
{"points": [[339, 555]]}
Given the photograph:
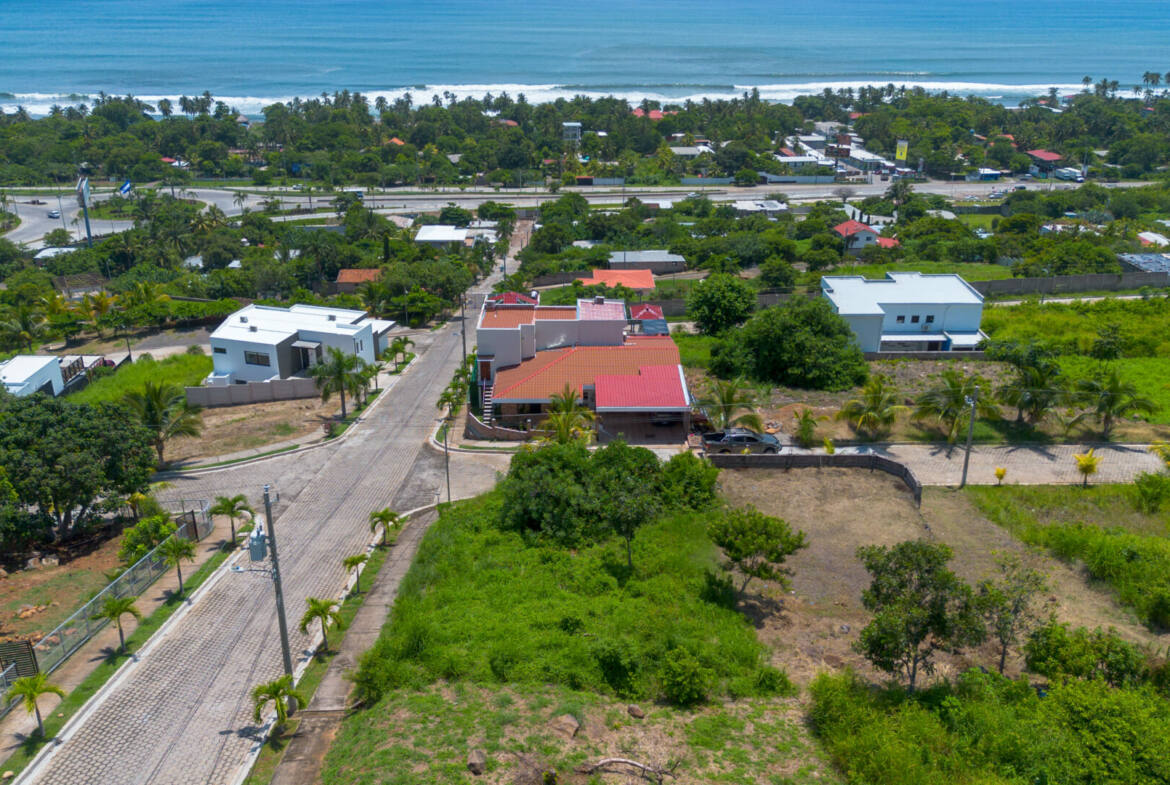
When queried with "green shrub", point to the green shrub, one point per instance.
{"points": [[494, 604], [1053, 651], [143, 536], [1151, 489], [685, 681], [688, 481]]}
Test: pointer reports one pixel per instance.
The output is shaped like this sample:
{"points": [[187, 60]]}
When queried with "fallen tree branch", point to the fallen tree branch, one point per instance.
{"points": [[648, 772]]}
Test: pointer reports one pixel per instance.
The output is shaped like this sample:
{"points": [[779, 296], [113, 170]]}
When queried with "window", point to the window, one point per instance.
{"points": [[901, 320], [914, 319], [219, 350], [930, 318], [256, 358]]}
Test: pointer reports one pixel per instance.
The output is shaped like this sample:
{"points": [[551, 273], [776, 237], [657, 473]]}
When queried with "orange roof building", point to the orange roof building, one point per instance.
{"points": [[638, 280], [350, 278]]}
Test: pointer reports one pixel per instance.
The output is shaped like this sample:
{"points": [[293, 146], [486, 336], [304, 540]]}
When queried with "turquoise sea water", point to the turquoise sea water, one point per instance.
{"points": [[253, 51]]}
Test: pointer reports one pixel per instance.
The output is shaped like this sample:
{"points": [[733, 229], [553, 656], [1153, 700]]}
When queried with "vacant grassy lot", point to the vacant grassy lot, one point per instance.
{"points": [[228, 429], [181, 369], [1100, 529], [1143, 326]]}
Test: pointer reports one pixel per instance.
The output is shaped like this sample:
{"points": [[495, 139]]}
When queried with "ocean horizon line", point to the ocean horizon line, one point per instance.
{"points": [[40, 103]]}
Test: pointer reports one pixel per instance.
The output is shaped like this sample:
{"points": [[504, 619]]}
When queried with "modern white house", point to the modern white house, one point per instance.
{"points": [[441, 236], [26, 374], [908, 311], [259, 343]]}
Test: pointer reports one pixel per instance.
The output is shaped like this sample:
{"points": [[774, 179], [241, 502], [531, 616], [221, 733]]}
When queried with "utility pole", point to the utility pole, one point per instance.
{"points": [[284, 650], [971, 401], [463, 325]]}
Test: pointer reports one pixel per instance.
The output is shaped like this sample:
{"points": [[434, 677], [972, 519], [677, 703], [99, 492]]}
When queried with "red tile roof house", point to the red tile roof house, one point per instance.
{"points": [[857, 235], [1045, 160], [526, 354], [350, 278]]}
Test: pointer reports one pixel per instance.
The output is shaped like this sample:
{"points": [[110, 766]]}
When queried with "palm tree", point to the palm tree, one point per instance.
{"points": [[1087, 464], [877, 408], [174, 550], [28, 689], [113, 609], [233, 507], [726, 397], [386, 518], [351, 563], [948, 402], [22, 325], [324, 611], [281, 693], [335, 374], [241, 201], [1109, 397], [398, 347], [1036, 390], [161, 407]]}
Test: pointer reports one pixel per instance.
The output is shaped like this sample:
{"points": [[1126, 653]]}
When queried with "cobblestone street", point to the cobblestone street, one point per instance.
{"points": [[181, 714]]}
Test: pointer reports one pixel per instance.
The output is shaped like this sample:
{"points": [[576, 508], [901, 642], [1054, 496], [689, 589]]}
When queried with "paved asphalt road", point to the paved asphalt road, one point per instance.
{"points": [[35, 222], [181, 714]]}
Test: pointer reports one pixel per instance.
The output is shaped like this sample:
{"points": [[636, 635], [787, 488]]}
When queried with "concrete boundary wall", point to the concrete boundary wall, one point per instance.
{"points": [[818, 460], [252, 392], [975, 355], [1060, 284], [477, 429]]}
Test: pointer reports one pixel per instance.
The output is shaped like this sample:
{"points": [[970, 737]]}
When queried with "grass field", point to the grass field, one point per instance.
{"points": [[978, 221], [1143, 326], [1151, 375], [694, 350], [181, 369], [1100, 527]]}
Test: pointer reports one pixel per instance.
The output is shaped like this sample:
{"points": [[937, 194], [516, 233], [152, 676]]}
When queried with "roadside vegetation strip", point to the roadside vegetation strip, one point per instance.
{"points": [[182, 369], [274, 747], [232, 462], [1119, 533], [109, 667]]}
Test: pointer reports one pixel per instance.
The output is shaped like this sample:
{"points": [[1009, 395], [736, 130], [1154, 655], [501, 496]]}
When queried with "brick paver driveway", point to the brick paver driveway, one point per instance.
{"points": [[181, 715], [1026, 464]]}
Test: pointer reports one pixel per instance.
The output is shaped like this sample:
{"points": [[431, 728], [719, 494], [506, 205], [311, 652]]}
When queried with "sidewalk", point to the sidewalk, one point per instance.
{"points": [[322, 718], [15, 727]]}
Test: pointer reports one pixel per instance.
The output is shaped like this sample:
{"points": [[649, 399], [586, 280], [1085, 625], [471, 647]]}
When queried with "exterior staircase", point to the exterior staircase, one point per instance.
{"points": [[488, 390]]}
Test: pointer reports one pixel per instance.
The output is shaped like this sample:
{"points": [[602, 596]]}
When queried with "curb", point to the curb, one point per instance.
{"points": [[169, 474], [302, 666], [47, 752]]}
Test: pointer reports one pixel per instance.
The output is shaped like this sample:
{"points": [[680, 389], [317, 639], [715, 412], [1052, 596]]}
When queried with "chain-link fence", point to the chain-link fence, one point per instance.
{"points": [[193, 522]]}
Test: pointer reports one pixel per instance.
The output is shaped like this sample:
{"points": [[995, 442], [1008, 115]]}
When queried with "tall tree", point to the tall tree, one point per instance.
{"points": [[336, 374], [919, 607], [161, 408], [64, 458]]}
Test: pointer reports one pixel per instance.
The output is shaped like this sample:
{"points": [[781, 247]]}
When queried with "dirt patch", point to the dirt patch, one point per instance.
{"points": [[229, 429], [56, 591], [812, 627]]}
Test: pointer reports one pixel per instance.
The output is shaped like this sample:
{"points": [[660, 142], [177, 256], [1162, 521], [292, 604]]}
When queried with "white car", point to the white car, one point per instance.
{"points": [[54, 213]]}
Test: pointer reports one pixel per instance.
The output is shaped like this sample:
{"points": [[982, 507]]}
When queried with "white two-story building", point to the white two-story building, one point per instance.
{"points": [[262, 342], [908, 311]]}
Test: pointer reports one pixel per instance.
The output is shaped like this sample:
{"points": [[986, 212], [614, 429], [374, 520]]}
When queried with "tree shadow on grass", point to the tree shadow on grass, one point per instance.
{"points": [[759, 609]]}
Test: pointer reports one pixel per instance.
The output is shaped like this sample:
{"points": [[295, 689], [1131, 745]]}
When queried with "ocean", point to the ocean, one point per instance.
{"points": [[250, 53]]}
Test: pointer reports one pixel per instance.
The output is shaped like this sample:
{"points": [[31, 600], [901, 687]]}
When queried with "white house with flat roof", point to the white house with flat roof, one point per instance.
{"points": [[26, 374], [262, 342], [908, 311], [441, 235]]}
